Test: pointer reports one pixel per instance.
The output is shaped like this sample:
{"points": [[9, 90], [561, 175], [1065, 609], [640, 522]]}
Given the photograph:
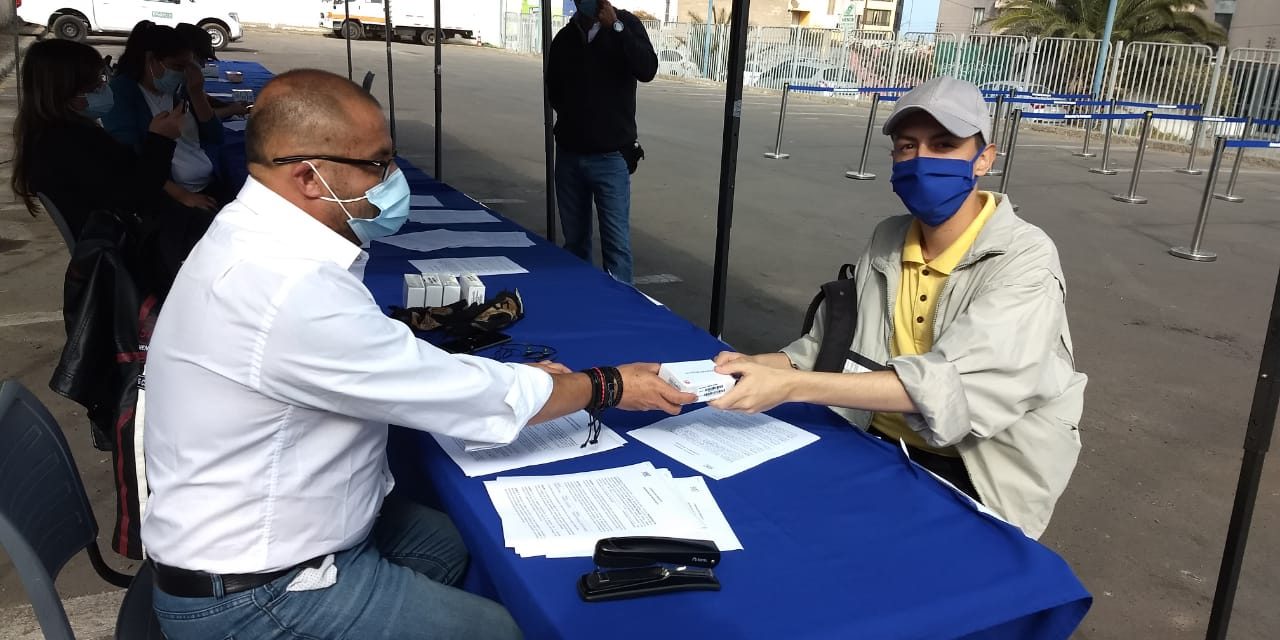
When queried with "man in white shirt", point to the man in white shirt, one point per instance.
{"points": [[273, 376]]}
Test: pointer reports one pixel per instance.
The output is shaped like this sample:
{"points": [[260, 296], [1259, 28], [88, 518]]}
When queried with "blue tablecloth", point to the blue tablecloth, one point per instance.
{"points": [[843, 538]]}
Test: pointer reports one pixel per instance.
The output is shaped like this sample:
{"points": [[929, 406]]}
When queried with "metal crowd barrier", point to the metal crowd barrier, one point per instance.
{"points": [[787, 88], [1221, 143]]}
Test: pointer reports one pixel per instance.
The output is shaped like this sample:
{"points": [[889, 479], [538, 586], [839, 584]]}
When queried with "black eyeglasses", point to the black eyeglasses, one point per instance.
{"points": [[385, 165]]}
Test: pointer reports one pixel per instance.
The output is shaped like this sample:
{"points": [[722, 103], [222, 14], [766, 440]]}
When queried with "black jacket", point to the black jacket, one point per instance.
{"points": [[108, 326], [82, 168], [592, 85]]}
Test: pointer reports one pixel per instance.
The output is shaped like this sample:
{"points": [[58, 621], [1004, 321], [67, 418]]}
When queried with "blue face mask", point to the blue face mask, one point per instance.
{"points": [[99, 101], [169, 80], [589, 8], [934, 188], [391, 197]]}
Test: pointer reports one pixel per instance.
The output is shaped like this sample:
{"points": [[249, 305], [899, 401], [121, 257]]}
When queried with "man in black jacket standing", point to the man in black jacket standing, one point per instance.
{"points": [[595, 62]]}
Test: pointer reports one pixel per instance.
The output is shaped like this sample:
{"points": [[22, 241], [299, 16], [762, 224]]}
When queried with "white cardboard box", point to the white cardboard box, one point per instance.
{"points": [[698, 377], [415, 295], [472, 288], [452, 289], [434, 290]]}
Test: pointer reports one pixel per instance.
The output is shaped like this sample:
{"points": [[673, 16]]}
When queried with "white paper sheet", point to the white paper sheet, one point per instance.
{"points": [[235, 125], [720, 444], [565, 515], [558, 439], [706, 512], [416, 202], [482, 266], [450, 216], [436, 239]]}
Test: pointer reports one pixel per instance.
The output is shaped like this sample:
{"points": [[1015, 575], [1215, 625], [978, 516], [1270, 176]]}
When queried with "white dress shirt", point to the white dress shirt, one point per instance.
{"points": [[192, 168], [271, 379]]}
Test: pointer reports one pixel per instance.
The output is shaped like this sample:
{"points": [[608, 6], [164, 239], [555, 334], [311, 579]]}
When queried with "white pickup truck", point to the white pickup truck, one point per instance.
{"points": [[410, 19], [76, 19]]}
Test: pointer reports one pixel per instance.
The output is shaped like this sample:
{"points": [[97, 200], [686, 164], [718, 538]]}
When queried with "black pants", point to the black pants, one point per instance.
{"points": [[950, 469]]}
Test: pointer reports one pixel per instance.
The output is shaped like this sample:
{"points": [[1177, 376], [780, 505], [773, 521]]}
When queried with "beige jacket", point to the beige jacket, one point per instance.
{"points": [[1000, 383]]}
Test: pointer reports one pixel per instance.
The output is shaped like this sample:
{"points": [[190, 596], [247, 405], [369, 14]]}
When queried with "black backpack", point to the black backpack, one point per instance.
{"points": [[840, 318]]}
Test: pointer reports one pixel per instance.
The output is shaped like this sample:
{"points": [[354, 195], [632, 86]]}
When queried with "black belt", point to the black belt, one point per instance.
{"points": [[184, 583]]}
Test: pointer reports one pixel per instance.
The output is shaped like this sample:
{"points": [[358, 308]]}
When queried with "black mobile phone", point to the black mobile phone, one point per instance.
{"points": [[475, 342]]}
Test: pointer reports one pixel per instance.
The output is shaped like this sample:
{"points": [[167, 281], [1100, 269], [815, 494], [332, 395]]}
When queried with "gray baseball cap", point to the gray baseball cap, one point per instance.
{"points": [[957, 105]]}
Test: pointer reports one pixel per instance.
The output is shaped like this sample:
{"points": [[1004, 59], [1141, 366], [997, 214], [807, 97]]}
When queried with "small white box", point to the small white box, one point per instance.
{"points": [[472, 288], [434, 290], [415, 295], [452, 289], [698, 377]]}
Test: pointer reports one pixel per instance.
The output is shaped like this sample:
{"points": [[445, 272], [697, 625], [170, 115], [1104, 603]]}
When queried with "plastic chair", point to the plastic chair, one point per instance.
{"points": [[46, 519], [367, 83], [63, 227]]}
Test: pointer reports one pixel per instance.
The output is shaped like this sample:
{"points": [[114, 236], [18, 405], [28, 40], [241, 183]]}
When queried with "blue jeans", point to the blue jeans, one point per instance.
{"points": [[397, 584], [604, 176]]}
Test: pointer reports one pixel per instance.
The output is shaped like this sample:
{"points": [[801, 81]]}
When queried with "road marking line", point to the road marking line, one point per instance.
{"points": [[35, 317], [660, 278]]}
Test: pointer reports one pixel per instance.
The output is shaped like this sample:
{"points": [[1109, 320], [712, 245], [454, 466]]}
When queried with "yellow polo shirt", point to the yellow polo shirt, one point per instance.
{"points": [[913, 314]]}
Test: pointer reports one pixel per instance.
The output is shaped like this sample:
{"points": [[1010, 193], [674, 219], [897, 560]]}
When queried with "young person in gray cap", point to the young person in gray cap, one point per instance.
{"points": [[954, 335]]}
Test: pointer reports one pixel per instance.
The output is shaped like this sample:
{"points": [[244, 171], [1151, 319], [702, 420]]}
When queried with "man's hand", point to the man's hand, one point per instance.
{"points": [[196, 200], [550, 367], [607, 15], [169, 123], [760, 387], [643, 390]]}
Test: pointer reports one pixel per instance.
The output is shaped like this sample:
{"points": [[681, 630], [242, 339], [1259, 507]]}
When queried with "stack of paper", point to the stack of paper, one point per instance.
{"points": [[450, 216], [558, 439], [445, 239], [721, 444], [481, 266], [563, 516]]}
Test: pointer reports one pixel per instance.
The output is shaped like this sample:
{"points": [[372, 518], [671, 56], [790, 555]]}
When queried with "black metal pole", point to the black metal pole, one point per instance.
{"points": [[548, 137], [439, 96], [1257, 439], [346, 35], [728, 161], [391, 76]]}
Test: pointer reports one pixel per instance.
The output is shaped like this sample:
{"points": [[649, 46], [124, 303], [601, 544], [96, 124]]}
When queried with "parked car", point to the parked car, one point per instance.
{"points": [[76, 19], [675, 63], [809, 73], [1024, 90]]}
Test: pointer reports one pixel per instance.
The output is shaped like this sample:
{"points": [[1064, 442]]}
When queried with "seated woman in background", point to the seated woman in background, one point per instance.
{"points": [[156, 73], [60, 151], [202, 46]]}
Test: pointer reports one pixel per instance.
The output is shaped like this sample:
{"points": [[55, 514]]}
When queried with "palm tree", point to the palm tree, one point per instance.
{"points": [[1171, 21]]}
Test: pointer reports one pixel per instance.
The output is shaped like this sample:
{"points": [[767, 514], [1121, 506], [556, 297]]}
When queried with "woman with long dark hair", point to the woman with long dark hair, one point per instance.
{"points": [[61, 152]]}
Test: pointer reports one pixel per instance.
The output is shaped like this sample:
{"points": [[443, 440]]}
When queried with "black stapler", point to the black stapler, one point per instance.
{"points": [[643, 565]]}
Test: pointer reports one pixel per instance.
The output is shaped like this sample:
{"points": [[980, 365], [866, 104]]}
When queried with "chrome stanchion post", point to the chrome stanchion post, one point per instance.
{"points": [[1003, 125], [1132, 197], [1088, 132], [1104, 168], [777, 153], [1194, 252], [1196, 134], [1230, 195], [1013, 145], [995, 133], [861, 173]]}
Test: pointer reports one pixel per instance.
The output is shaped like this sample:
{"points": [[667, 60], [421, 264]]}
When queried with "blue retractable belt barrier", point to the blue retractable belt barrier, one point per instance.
{"points": [[1158, 105], [1264, 144]]}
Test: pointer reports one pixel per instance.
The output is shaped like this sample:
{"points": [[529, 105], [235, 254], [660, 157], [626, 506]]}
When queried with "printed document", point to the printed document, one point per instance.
{"points": [[450, 216], [721, 444], [558, 439], [482, 266], [446, 239]]}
